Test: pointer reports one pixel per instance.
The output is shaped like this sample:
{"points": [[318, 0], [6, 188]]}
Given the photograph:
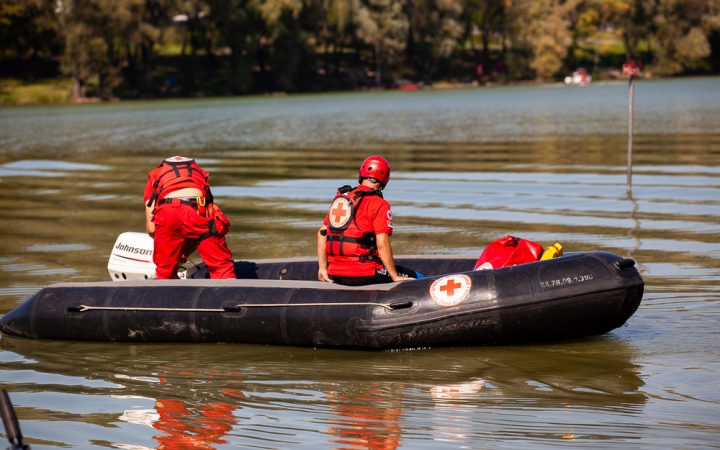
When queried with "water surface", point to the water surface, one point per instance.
{"points": [[546, 163]]}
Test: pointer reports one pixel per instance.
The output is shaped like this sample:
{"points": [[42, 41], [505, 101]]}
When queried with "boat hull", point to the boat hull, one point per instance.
{"points": [[276, 303]]}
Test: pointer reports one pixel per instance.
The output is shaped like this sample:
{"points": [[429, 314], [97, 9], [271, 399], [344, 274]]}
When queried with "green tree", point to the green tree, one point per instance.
{"points": [[486, 18], [435, 28], [29, 28], [335, 30], [682, 31], [382, 25], [285, 56], [93, 32], [540, 35], [238, 29]]}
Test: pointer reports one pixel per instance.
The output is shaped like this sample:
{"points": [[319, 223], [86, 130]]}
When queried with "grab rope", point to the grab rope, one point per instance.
{"points": [[390, 307]]}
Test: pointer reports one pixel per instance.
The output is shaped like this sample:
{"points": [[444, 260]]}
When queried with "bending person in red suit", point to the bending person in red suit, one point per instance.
{"points": [[180, 216], [353, 243]]}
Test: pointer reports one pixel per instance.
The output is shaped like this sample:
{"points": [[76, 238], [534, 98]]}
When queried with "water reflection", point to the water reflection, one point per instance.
{"points": [[368, 419], [357, 399], [197, 427]]}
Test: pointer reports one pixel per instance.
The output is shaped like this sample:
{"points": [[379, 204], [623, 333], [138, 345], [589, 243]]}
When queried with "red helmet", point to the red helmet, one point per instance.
{"points": [[376, 167]]}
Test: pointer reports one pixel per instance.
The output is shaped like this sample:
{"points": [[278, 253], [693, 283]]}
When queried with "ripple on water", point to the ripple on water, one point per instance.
{"points": [[23, 290], [44, 248]]}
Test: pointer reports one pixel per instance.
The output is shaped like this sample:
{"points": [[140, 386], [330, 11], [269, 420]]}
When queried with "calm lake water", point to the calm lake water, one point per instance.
{"points": [[546, 163]]}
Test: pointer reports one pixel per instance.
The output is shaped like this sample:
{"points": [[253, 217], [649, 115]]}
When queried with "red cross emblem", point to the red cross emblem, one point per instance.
{"points": [[450, 287], [450, 290], [340, 211]]}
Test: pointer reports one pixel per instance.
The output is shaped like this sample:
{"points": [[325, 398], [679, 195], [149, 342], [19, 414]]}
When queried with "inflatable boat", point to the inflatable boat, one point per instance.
{"points": [[279, 302]]}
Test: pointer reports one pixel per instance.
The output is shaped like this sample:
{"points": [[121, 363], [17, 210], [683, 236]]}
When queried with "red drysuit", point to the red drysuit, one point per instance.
{"points": [[182, 224]]}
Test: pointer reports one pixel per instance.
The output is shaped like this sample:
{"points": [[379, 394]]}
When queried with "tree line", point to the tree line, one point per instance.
{"points": [[226, 47]]}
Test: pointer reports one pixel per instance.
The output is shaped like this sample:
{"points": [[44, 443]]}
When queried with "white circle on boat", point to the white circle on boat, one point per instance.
{"points": [[450, 290], [340, 212]]}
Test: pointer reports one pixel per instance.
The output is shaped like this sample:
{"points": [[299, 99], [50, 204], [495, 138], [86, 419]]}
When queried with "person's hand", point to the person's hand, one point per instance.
{"points": [[401, 278], [323, 276]]}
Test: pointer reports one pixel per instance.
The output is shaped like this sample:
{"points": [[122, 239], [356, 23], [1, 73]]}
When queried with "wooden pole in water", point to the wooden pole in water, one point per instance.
{"points": [[630, 136]]}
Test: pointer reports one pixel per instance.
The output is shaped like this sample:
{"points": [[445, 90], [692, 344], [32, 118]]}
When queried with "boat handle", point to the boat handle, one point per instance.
{"points": [[625, 263]]}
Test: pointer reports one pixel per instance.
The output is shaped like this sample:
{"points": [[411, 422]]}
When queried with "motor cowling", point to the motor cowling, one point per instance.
{"points": [[132, 259]]}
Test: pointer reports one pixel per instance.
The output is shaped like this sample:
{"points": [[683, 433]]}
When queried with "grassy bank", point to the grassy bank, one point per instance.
{"points": [[18, 92]]}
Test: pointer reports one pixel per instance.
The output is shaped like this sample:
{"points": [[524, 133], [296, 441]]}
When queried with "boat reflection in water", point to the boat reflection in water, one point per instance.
{"points": [[185, 424], [246, 394], [368, 417]]}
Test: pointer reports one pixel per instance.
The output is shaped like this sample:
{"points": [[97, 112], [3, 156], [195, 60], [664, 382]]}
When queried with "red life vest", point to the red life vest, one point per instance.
{"points": [[178, 173], [344, 238]]}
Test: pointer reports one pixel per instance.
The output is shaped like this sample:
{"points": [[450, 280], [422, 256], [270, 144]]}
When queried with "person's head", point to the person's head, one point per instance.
{"points": [[375, 169]]}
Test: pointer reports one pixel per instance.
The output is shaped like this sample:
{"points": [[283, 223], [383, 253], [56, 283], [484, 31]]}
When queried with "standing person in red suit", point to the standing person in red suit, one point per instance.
{"points": [[180, 216], [353, 243]]}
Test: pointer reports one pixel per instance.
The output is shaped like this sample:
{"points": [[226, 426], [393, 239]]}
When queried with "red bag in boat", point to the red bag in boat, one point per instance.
{"points": [[508, 251]]}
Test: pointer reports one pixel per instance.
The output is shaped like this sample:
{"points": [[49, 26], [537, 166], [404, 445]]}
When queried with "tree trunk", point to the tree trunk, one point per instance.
{"points": [[629, 48], [106, 73], [209, 54], [79, 88], [504, 47], [357, 43], [487, 27], [326, 56], [183, 53], [596, 59], [336, 55], [410, 48], [190, 67], [431, 71], [264, 78], [378, 74], [147, 51], [131, 65]]}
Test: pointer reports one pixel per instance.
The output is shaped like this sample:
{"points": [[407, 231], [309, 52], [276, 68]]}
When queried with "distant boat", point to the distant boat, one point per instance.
{"points": [[579, 78]]}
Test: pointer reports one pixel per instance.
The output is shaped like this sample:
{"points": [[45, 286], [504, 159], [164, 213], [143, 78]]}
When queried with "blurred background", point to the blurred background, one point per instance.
{"points": [[54, 51]]}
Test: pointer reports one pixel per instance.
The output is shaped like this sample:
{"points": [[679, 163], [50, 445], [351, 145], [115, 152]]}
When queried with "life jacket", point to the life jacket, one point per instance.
{"points": [[344, 238], [177, 173]]}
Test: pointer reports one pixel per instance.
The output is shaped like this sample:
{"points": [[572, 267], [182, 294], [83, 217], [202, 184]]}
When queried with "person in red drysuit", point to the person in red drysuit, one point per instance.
{"points": [[353, 243], [180, 216]]}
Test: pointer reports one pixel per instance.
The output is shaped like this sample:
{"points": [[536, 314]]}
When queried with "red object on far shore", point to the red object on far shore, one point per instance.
{"points": [[409, 87]]}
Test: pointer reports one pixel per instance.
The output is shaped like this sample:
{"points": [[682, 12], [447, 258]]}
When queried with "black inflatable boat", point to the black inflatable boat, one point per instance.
{"points": [[277, 302]]}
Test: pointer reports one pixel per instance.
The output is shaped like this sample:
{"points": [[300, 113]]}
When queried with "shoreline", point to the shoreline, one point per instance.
{"points": [[15, 92]]}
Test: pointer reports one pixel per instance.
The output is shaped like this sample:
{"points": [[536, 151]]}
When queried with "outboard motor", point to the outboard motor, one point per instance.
{"points": [[132, 259]]}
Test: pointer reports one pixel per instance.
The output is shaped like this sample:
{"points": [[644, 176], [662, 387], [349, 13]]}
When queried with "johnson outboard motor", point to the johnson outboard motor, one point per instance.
{"points": [[132, 259]]}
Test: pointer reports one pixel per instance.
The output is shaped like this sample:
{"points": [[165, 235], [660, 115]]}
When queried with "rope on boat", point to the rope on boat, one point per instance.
{"points": [[390, 307]]}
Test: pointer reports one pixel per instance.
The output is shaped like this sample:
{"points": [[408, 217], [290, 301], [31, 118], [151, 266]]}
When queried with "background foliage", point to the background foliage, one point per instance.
{"points": [[155, 48]]}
